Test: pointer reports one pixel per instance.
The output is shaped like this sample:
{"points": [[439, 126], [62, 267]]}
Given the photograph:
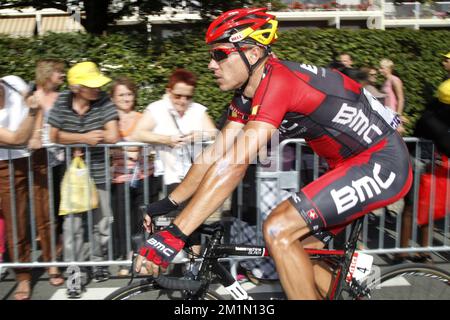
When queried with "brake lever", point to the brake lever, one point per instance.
{"points": [[133, 259]]}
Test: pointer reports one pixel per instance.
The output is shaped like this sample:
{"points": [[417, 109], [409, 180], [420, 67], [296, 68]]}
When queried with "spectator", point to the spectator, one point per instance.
{"points": [[434, 124], [173, 122], [49, 77], [16, 126], [128, 167], [2, 236], [368, 79], [393, 88], [346, 60], [394, 99], [85, 114], [2, 242], [344, 63]]}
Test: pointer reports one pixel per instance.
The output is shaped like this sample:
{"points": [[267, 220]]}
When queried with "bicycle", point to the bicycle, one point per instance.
{"points": [[422, 281]]}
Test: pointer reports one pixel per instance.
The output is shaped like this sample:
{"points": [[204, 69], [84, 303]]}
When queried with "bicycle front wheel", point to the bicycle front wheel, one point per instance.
{"points": [[149, 290], [412, 282]]}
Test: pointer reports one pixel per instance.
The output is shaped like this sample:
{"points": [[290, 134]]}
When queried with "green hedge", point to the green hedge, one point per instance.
{"points": [[415, 53]]}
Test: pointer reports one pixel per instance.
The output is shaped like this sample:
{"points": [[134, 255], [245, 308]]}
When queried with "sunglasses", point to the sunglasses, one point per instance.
{"points": [[179, 96], [220, 54]]}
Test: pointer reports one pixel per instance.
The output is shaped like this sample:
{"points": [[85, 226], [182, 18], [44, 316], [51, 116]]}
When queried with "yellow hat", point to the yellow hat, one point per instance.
{"points": [[86, 74], [444, 92], [447, 55]]}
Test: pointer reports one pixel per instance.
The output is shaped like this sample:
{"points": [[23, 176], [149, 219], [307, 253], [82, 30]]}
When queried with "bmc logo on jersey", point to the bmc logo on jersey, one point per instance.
{"points": [[357, 121], [347, 197]]}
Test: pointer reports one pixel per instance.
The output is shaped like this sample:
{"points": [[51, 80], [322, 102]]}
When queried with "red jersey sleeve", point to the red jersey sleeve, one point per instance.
{"points": [[281, 91]]}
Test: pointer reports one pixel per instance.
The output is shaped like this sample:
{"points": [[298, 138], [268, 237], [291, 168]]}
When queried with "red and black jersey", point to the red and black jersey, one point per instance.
{"points": [[333, 113]]}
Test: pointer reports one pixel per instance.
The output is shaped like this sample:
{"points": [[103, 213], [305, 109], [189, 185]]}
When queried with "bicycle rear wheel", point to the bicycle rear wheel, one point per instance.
{"points": [[148, 290], [412, 282]]}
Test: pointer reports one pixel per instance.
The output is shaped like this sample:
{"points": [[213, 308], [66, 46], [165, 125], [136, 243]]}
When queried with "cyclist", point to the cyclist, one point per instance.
{"points": [[341, 121]]}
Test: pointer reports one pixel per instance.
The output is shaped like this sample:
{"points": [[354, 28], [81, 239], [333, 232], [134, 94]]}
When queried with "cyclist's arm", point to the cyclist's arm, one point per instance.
{"points": [[224, 175], [224, 140]]}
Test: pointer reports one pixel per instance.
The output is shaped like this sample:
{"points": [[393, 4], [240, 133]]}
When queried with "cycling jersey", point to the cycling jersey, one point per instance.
{"points": [[329, 110], [341, 122]]}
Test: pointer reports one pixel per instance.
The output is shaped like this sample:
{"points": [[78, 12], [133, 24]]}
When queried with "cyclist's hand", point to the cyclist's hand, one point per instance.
{"points": [[160, 249]]}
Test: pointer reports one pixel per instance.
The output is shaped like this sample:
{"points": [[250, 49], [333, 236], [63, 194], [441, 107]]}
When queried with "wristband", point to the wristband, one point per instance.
{"points": [[173, 201], [173, 229], [161, 207]]}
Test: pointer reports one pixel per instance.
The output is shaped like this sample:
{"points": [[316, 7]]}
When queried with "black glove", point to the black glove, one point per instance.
{"points": [[159, 207]]}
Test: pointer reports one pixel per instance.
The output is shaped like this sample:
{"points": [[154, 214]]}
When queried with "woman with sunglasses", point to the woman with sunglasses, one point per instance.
{"points": [[341, 122], [173, 123]]}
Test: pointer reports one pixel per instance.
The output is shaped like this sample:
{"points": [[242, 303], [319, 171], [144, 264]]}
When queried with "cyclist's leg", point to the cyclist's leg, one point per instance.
{"points": [[372, 179], [323, 275], [282, 229]]}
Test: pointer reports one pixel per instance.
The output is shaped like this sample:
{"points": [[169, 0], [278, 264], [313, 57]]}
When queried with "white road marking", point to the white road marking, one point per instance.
{"points": [[89, 294], [396, 282], [252, 288]]}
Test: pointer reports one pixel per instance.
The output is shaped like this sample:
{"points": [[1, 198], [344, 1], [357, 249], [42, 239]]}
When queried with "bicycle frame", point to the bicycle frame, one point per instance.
{"points": [[351, 275], [340, 260]]}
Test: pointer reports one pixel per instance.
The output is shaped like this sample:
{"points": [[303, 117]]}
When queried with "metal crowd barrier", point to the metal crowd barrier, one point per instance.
{"points": [[149, 153], [292, 165], [382, 231]]}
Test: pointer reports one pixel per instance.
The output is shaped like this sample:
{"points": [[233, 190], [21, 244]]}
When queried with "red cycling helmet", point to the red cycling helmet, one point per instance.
{"points": [[243, 25]]}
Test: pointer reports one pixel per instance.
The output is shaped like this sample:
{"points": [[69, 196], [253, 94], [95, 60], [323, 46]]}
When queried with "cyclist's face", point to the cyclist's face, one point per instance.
{"points": [[230, 72]]}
